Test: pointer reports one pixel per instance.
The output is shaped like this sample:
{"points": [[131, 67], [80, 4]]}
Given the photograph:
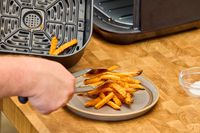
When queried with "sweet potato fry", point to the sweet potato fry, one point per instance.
{"points": [[119, 89], [113, 105], [54, 43], [117, 101], [110, 77], [125, 74], [65, 46], [110, 103], [92, 80], [92, 102], [114, 67], [119, 96], [97, 90], [106, 90], [104, 100], [128, 99], [112, 88], [130, 80], [138, 86], [97, 83]]}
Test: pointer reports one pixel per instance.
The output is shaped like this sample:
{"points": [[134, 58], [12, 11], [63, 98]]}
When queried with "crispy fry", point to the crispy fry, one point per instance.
{"points": [[113, 105], [119, 96], [130, 80], [65, 46], [93, 92], [131, 90], [97, 90], [119, 89], [106, 90], [117, 101], [104, 100], [129, 99], [100, 78], [110, 103], [110, 77], [97, 83], [138, 86], [125, 74], [92, 80], [113, 88], [113, 68], [54, 43], [92, 102]]}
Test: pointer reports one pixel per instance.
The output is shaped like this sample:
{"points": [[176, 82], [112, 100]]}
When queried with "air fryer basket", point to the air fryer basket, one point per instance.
{"points": [[126, 21], [116, 16], [27, 26]]}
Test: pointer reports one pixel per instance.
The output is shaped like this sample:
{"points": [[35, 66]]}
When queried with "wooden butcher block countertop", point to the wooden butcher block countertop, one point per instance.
{"points": [[161, 59]]}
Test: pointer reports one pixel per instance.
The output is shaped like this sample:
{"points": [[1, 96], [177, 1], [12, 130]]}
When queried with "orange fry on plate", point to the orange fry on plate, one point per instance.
{"points": [[117, 101], [128, 99], [113, 68], [119, 89], [104, 100], [136, 86], [92, 102], [110, 103], [110, 77], [112, 88]]}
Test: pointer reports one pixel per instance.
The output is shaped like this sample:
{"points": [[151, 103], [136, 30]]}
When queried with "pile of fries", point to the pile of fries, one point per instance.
{"points": [[111, 88], [54, 43]]}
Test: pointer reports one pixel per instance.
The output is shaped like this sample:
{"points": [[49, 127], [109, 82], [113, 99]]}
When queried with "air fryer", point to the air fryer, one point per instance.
{"points": [[126, 21]]}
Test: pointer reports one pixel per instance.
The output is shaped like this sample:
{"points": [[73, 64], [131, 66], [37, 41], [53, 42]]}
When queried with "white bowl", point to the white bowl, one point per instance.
{"points": [[189, 79]]}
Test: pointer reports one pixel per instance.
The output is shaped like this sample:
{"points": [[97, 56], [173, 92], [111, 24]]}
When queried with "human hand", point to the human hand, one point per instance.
{"points": [[51, 85]]}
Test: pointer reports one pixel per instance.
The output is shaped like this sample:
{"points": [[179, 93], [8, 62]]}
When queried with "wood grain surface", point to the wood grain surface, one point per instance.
{"points": [[161, 59]]}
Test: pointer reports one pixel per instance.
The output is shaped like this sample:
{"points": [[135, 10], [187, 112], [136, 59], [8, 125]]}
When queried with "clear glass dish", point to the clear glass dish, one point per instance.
{"points": [[189, 79]]}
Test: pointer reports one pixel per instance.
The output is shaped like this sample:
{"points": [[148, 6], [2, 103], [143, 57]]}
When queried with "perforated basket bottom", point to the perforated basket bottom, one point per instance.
{"points": [[27, 26]]}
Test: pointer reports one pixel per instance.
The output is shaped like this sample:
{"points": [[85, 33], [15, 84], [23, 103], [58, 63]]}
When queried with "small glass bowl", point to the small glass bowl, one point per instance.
{"points": [[189, 79]]}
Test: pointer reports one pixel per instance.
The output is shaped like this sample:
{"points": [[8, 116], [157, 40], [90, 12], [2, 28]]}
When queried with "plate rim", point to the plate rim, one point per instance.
{"points": [[124, 114]]}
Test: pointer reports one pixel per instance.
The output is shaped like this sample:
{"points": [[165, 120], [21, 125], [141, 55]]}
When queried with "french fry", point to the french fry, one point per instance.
{"points": [[119, 96], [110, 103], [127, 74], [100, 78], [104, 100], [97, 83], [131, 90], [92, 80], [97, 90], [106, 90], [110, 77], [54, 43], [138, 86], [128, 99], [117, 101], [65, 46], [113, 68], [130, 80], [112, 88], [119, 89], [93, 92], [92, 102]]}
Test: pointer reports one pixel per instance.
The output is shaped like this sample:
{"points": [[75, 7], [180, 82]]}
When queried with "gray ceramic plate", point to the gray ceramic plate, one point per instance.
{"points": [[144, 100]]}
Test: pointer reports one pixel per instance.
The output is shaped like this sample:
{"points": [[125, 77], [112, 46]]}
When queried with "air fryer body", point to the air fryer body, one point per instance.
{"points": [[148, 18]]}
